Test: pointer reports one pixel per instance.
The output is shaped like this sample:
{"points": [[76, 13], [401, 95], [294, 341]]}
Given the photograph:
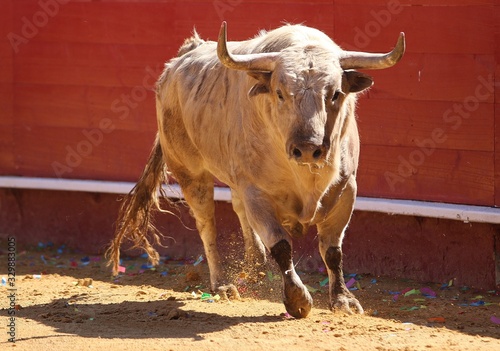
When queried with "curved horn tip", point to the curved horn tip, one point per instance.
{"points": [[222, 52], [401, 39], [223, 30], [400, 48]]}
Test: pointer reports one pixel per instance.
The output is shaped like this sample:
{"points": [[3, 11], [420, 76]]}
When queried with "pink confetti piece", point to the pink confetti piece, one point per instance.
{"points": [[404, 291], [350, 283], [121, 269], [495, 320]]}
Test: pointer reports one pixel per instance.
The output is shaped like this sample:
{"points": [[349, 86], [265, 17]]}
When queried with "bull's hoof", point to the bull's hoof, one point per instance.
{"points": [[229, 291], [298, 302], [345, 301]]}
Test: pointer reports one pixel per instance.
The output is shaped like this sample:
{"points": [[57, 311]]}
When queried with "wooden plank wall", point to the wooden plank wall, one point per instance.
{"points": [[76, 99], [428, 125], [6, 92]]}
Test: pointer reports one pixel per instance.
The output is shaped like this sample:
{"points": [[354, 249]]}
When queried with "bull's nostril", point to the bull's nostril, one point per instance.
{"points": [[296, 152], [317, 153]]}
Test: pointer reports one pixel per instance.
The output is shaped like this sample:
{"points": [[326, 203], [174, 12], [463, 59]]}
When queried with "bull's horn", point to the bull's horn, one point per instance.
{"points": [[263, 62], [364, 60]]}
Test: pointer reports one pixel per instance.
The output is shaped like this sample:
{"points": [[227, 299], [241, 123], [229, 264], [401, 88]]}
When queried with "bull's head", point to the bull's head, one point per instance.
{"points": [[308, 87]]}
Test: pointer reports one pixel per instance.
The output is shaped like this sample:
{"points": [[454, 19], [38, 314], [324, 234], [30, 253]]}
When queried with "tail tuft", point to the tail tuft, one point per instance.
{"points": [[134, 220]]}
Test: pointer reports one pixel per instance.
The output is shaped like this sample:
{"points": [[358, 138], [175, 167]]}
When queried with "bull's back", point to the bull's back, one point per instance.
{"points": [[204, 103]]}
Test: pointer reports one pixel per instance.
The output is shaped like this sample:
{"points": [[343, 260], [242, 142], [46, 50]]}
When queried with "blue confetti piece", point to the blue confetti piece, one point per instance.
{"points": [[477, 303], [4, 281], [146, 266], [85, 259], [85, 263], [198, 261], [41, 245], [164, 274], [144, 255], [374, 281], [43, 259]]}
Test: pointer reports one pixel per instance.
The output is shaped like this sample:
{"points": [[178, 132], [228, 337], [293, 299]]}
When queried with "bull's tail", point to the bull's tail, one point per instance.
{"points": [[134, 219]]}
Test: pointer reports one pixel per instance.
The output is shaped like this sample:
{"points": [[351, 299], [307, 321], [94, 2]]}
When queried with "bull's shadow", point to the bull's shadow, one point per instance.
{"points": [[133, 320]]}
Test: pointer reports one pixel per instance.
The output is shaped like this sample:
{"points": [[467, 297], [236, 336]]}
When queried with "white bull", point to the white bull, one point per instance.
{"points": [[272, 117]]}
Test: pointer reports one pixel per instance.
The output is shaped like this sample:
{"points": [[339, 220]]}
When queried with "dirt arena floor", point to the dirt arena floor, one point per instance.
{"points": [[67, 300]]}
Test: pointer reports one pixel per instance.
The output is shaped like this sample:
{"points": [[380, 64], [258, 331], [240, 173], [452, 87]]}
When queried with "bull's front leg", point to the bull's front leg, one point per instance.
{"points": [[331, 233], [296, 297], [263, 218], [340, 296]]}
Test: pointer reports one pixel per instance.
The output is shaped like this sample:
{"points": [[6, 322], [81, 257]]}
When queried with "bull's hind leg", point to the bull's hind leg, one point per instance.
{"points": [[331, 233], [198, 193], [255, 251]]}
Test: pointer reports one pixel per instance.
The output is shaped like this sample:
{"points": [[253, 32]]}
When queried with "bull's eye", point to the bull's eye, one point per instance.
{"points": [[336, 95], [280, 95]]}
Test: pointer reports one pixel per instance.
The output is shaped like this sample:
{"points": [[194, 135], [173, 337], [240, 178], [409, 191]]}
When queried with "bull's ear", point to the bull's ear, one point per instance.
{"points": [[357, 81], [263, 85]]}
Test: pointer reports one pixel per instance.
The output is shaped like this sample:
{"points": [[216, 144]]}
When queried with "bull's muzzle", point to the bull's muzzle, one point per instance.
{"points": [[307, 152]]}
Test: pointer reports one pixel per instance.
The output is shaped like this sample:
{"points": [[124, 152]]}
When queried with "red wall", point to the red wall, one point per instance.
{"points": [[75, 93], [81, 66]]}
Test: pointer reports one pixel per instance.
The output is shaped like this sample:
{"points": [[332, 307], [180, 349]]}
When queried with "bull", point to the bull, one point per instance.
{"points": [[272, 117]]}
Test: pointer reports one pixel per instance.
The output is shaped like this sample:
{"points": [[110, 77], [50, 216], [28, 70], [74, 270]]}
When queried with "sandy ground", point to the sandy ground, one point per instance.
{"points": [[68, 301]]}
